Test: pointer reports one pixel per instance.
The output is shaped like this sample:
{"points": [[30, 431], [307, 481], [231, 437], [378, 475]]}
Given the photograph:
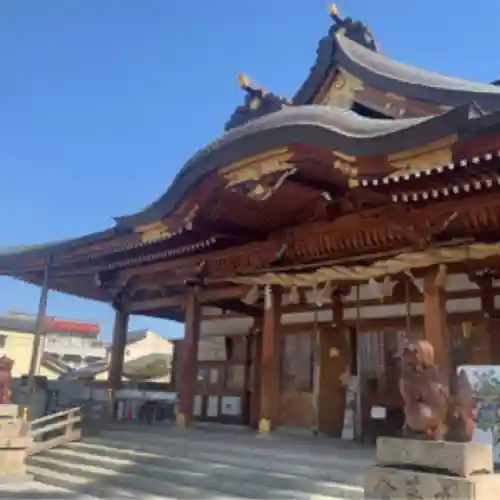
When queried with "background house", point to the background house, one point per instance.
{"points": [[148, 357], [64, 345], [16, 342]]}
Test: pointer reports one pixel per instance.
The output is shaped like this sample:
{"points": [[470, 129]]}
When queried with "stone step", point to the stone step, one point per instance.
{"points": [[102, 483], [204, 470], [184, 456], [38, 490], [276, 444], [172, 484], [326, 454]]}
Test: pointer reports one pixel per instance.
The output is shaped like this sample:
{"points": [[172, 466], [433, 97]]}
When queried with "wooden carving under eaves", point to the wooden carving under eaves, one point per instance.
{"points": [[259, 176], [434, 154], [395, 105], [342, 90], [181, 220], [345, 164]]}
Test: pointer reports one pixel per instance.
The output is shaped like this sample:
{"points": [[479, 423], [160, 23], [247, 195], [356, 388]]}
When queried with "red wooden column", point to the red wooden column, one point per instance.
{"points": [[256, 367], [436, 329], [270, 361], [115, 372], [188, 359]]}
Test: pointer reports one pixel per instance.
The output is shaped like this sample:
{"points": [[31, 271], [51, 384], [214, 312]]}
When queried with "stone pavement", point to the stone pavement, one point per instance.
{"points": [[211, 462]]}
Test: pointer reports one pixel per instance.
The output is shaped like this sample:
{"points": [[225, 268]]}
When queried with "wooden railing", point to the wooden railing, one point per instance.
{"points": [[56, 429]]}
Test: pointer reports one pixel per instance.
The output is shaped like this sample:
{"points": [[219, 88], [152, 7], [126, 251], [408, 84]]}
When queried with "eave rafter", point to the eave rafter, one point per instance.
{"points": [[459, 178], [380, 230]]}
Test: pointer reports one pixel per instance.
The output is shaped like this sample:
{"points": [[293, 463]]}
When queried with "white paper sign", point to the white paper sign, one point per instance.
{"points": [[378, 413], [213, 406], [231, 406], [212, 349], [197, 405]]}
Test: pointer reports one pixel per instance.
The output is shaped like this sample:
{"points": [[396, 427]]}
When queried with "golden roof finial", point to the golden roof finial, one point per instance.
{"points": [[332, 9], [243, 80]]}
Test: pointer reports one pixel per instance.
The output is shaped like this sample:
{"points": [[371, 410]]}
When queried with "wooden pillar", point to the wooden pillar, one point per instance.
{"points": [[115, 372], [256, 374], [334, 359], [39, 328], [485, 346], [189, 359], [436, 329], [271, 360]]}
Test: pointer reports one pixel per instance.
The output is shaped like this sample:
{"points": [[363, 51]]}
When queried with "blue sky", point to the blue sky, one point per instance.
{"points": [[102, 101]]}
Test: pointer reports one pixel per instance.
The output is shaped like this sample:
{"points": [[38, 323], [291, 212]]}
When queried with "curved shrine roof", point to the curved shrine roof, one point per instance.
{"points": [[276, 122], [405, 80], [266, 122], [350, 45], [316, 125]]}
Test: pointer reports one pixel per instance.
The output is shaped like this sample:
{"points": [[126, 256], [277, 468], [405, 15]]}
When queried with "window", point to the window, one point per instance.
{"points": [[235, 377], [213, 376], [3, 341], [236, 348], [202, 378], [379, 359], [298, 363], [92, 359], [72, 358]]}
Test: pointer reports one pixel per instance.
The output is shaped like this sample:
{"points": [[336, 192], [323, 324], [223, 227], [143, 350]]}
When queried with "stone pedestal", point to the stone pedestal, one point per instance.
{"points": [[14, 444], [408, 468]]}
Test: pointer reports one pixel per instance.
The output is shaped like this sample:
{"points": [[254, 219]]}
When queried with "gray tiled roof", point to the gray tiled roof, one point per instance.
{"points": [[403, 79], [316, 125]]}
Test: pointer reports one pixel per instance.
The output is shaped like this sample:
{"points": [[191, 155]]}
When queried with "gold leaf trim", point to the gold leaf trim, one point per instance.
{"points": [[257, 167], [402, 263], [430, 155], [343, 89]]}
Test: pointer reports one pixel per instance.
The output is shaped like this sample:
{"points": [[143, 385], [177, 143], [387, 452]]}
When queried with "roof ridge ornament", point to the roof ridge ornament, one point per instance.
{"points": [[334, 13], [258, 102], [356, 31], [255, 92]]}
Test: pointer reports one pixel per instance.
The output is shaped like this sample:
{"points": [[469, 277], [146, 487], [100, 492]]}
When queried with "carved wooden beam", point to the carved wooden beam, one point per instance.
{"points": [[359, 233], [236, 306], [177, 301], [370, 231], [229, 229], [351, 304]]}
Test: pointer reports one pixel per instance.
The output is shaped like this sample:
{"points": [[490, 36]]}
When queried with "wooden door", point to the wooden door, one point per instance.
{"points": [[297, 375]]}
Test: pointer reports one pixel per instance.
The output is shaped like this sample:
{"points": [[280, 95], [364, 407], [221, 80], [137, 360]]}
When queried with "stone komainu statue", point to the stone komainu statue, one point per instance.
{"points": [[431, 411], [6, 365]]}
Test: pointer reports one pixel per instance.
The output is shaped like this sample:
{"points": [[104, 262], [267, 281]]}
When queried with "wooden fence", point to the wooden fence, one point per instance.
{"points": [[56, 429], [66, 426]]}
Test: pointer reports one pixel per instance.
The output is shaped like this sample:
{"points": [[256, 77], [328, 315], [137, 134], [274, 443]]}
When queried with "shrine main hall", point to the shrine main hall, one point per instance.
{"points": [[307, 241]]}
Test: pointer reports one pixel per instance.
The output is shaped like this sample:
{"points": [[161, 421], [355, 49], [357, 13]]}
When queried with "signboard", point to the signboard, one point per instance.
{"points": [[231, 406], [212, 349], [485, 380]]}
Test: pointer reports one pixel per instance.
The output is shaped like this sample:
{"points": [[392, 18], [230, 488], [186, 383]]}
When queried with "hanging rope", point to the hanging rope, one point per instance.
{"points": [[317, 371], [359, 384], [408, 308], [402, 263]]}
